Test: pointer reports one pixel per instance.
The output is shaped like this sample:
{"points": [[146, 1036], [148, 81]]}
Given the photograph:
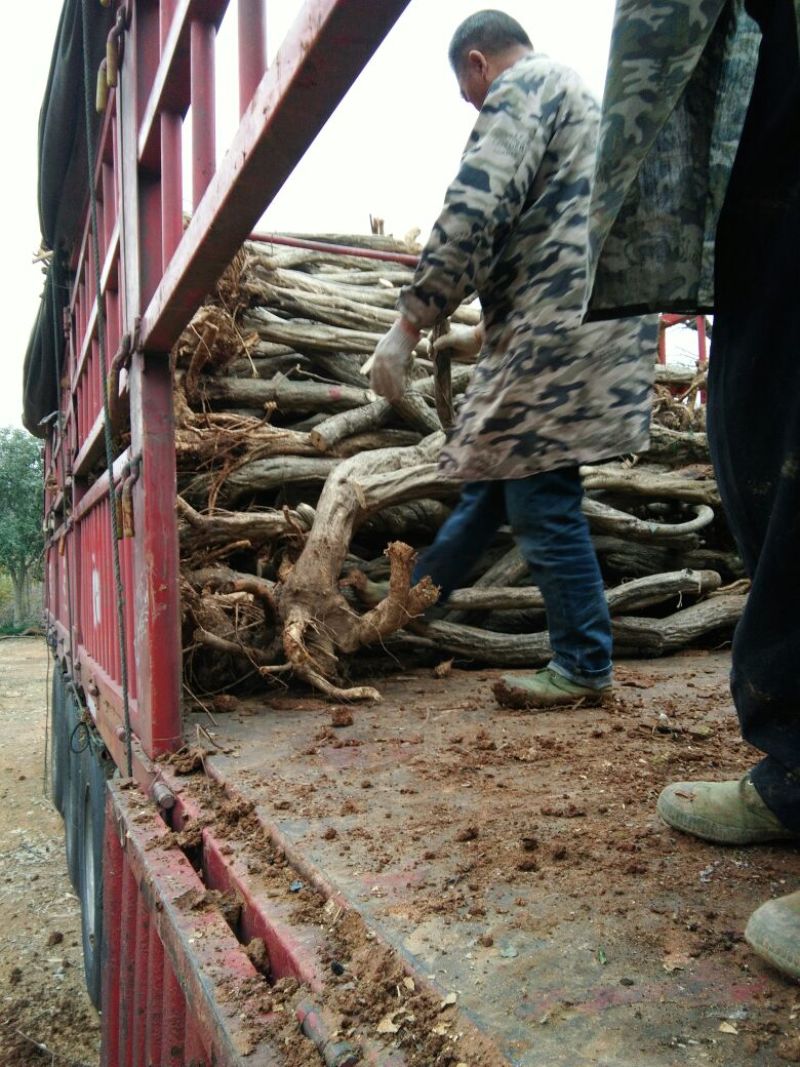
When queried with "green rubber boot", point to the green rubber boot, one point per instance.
{"points": [[545, 689], [774, 933], [729, 813]]}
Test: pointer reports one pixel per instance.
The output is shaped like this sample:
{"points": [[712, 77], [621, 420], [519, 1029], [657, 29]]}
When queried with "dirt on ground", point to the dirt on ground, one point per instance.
{"points": [[519, 858], [45, 1014]]}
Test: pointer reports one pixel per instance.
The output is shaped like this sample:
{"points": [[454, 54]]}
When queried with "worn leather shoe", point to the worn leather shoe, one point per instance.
{"points": [[729, 813], [545, 689], [774, 933]]}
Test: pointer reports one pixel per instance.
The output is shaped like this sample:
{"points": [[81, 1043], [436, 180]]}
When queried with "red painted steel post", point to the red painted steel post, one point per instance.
{"points": [[152, 242], [701, 340], [154, 1022], [166, 11], [127, 990], [72, 546], [204, 140], [156, 555], [155, 546], [193, 1051], [702, 354], [112, 931], [171, 186], [142, 991], [130, 618], [173, 1019], [252, 49], [322, 55], [109, 203]]}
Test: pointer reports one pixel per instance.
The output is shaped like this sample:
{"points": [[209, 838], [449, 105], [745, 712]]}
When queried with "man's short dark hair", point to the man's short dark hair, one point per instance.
{"points": [[490, 31]]}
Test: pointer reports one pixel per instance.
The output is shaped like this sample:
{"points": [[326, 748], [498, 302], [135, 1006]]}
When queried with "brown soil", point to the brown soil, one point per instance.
{"points": [[366, 995], [445, 817], [483, 838], [45, 1015]]}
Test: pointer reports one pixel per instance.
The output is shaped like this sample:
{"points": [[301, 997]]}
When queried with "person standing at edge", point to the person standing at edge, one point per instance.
{"points": [[548, 393], [696, 208]]}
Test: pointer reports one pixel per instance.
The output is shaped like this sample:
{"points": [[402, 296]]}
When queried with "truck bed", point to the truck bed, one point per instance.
{"points": [[516, 859]]}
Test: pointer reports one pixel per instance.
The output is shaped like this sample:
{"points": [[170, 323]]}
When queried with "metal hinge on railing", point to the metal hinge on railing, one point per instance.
{"points": [[121, 362], [108, 71]]}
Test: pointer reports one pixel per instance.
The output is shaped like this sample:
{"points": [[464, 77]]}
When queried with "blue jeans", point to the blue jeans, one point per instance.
{"points": [[552, 534]]}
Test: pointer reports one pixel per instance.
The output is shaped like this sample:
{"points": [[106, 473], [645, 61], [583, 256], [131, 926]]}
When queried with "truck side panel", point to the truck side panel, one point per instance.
{"points": [[166, 971]]}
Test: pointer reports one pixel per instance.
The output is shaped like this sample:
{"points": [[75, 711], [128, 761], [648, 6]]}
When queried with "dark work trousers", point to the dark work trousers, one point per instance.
{"points": [[754, 406], [552, 535]]}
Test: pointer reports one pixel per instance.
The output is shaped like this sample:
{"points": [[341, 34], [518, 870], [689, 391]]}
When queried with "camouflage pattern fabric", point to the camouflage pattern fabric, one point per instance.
{"points": [[547, 391], [678, 85]]}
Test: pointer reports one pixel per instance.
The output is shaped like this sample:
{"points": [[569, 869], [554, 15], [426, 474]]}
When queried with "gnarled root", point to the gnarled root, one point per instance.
{"points": [[311, 644]]}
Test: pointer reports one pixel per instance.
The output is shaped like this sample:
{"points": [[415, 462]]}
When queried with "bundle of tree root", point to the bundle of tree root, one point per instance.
{"points": [[299, 489]]}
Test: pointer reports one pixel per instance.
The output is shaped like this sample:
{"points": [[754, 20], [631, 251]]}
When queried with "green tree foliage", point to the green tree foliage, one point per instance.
{"points": [[21, 501]]}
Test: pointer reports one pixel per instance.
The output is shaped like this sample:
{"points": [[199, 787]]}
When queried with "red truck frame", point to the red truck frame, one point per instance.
{"points": [[162, 972], [114, 616]]}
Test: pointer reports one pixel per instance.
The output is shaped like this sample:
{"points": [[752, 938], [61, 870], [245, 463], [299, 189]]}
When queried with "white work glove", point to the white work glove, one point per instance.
{"points": [[463, 341], [392, 359]]}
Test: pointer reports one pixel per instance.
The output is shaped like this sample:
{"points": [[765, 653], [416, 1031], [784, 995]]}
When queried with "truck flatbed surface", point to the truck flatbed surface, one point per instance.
{"points": [[518, 859]]}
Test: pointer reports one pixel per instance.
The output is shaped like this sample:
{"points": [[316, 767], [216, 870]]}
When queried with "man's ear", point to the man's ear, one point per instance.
{"points": [[477, 62]]}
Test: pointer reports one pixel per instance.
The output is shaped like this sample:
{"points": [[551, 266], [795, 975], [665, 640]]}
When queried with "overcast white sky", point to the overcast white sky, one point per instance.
{"points": [[391, 148]]}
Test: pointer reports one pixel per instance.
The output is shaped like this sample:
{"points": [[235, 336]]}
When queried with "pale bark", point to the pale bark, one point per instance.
{"points": [[633, 636], [318, 622], [630, 596]]}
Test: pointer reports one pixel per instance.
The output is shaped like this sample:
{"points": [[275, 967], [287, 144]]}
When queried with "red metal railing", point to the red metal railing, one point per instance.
{"points": [[95, 601], [171, 968], [406, 258], [164, 968], [665, 321], [153, 268], [325, 50], [84, 375]]}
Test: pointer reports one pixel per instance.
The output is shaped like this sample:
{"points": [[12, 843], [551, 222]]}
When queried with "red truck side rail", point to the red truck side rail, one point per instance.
{"points": [[159, 1003], [154, 275]]}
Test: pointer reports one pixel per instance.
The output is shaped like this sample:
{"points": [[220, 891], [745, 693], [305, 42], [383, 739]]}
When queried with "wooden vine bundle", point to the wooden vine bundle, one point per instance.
{"points": [[299, 489]]}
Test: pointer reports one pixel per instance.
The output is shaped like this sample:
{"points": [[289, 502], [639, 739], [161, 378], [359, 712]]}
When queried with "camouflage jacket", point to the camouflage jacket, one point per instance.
{"points": [[547, 390], [679, 82]]}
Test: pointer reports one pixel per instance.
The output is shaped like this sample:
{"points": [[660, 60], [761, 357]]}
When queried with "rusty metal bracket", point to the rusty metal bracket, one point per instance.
{"points": [[122, 357], [121, 362], [136, 339], [118, 493], [127, 510], [162, 795], [115, 45], [130, 475]]}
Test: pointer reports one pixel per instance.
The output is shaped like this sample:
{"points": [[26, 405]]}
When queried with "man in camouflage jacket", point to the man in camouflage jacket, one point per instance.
{"points": [[548, 393], [674, 105], [697, 207]]}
